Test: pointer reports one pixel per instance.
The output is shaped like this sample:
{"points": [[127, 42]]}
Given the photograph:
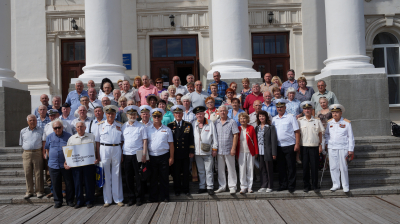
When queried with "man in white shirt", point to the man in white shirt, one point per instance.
{"points": [[311, 130], [82, 111], [145, 115], [288, 133], [177, 83], [129, 93], [189, 79], [339, 141], [188, 114], [93, 98]]}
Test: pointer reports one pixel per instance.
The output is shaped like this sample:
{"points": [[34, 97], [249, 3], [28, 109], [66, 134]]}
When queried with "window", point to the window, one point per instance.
{"points": [[387, 55], [173, 47], [73, 51], [269, 44]]}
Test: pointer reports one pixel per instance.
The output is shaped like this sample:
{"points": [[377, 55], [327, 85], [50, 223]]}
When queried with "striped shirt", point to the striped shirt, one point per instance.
{"points": [[189, 116], [225, 135], [43, 123]]}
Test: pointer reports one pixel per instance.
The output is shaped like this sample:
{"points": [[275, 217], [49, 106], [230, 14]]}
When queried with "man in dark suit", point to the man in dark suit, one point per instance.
{"points": [[184, 150]]}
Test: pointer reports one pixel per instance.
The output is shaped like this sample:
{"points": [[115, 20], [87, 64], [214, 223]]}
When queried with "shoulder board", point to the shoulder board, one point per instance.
{"points": [[101, 122], [348, 121], [317, 118], [187, 123], [119, 122], [171, 122], [301, 118], [330, 119]]}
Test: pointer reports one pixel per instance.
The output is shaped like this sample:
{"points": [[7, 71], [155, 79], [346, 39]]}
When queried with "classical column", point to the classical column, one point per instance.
{"points": [[345, 34], [103, 41], [231, 40]]}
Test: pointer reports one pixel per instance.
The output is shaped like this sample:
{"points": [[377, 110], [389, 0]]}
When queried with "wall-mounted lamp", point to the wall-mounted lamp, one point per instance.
{"points": [[270, 17], [171, 18], [74, 26]]}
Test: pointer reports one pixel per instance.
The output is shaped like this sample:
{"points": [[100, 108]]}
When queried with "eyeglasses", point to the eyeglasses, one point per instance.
{"points": [[156, 116], [158, 82], [56, 128], [209, 102], [229, 92]]}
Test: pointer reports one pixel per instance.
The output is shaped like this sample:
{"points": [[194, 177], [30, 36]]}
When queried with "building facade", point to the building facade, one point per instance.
{"points": [[48, 50]]}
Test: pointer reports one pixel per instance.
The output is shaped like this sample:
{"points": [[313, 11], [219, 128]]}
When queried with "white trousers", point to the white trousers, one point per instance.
{"points": [[246, 168], [338, 168], [230, 164], [205, 171], [111, 158]]}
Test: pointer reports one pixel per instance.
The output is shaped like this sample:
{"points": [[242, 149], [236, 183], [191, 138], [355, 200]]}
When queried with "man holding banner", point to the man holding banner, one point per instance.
{"points": [[84, 174]]}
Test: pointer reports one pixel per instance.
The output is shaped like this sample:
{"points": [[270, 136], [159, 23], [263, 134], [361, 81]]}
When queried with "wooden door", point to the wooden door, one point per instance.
{"points": [[279, 67], [262, 65], [164, 70], [69, 72]]}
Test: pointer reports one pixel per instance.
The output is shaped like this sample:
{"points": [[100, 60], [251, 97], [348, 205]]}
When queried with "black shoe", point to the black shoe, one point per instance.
{"points": [[76, 206], [177, 194], [130, 203], [187, 193], [71, 204], [89, 205], [151, 201], [139, 203], [166, 200], [306, 189], [210, 192], [316, 190], [57, 205], [291, 190], [201, 191], [282, 189]]}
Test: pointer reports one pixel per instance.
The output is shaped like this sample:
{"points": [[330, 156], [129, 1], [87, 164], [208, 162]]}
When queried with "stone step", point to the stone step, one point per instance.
{"points": [[376, 147], [10, 157], [376, 139], [380, 162], [11, 165], [377, 154], [12, 173], [11, 150]]}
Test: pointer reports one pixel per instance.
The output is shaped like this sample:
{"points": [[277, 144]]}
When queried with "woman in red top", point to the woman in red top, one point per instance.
{"points": [[246, 151], [211, 112]]}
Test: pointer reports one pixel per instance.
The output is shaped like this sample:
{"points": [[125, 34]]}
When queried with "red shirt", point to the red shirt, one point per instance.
{"points": [[248, 103]]}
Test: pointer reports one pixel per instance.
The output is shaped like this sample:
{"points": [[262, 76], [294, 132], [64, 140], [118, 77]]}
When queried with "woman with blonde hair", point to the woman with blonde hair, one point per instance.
{"points": [[277, 80], [172, 97], [303, 93], [246, 152], [137, 82], [122, 102]]}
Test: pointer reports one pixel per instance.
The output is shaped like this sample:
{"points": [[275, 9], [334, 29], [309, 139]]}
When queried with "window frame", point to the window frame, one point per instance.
{"points": [[275, 55]]}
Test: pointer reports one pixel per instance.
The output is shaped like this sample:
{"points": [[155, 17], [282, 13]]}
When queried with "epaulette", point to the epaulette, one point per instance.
{"points": [[330, 119], [317, 118], [187, 122], [101, 122], [171, 122], [346, 120], [301, 118], [119, 122]]}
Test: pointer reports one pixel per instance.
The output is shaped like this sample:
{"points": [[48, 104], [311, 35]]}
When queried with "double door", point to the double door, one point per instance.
{"points": [[275, 66], [168, 69]]}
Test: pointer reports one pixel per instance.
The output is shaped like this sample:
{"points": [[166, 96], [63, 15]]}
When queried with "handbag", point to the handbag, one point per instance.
{"points": [[100, 178], [145, 172], [395, 129], [204, 146]]}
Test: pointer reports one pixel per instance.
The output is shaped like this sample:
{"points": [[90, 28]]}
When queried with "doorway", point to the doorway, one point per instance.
{"points": [[174, 56], [72, 62]]}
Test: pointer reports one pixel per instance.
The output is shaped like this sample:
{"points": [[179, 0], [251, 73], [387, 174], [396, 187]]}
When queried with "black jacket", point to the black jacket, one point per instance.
{"points": [[270, 142], [183, 139]]}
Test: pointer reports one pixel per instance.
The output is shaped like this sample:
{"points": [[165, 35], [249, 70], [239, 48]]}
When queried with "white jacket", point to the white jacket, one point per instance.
{"points": [[208, 136]]}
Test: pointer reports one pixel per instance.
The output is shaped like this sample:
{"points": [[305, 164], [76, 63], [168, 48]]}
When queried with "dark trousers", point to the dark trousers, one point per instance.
{"points": [[310, 160], [287, 167], [56, 176], [84, 175], [181, 184], [266, 173], [159, 174], [132, 166]]}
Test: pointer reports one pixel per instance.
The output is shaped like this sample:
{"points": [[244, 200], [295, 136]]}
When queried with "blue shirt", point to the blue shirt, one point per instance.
{"points": [[43, 123], [236, 118], [69, 119], [54, 144], [37, 110], [74, 99], [222, 87], [293, 107], [271, 109], [288, 84]]}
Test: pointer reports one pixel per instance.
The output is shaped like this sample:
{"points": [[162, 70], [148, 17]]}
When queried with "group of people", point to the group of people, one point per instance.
{"points": [[167, 131]]}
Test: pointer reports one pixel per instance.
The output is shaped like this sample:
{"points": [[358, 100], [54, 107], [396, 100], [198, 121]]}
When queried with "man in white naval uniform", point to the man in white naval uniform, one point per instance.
{"points": [[339, 140], [145, 115], [108, 145]]}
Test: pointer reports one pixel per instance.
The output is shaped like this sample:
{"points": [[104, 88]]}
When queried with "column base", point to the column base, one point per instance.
{"points": [[364, 94], [98, 72], [15, 106], [348, 62], [233, 68]]}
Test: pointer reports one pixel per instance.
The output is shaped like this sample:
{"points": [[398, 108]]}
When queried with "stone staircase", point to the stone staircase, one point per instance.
{"points": [[375, 170]]}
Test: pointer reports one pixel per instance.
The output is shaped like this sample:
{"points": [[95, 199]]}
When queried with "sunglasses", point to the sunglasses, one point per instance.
{"points": [[56, 128], [156, 116]]}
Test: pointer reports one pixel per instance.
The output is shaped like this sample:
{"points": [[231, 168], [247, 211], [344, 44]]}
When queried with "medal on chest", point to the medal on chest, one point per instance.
{"points": [[342, 125]]}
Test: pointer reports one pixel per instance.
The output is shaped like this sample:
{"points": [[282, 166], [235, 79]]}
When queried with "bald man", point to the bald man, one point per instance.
{"points": [[44, 99]]}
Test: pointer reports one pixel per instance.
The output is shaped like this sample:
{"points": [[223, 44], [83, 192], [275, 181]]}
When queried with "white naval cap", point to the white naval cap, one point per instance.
{"points": [[52, 111], [336, 108], [157, 111], [132, 109], [280, 102], [177, 109], [307, 104], [145, 108], [110, 108]]}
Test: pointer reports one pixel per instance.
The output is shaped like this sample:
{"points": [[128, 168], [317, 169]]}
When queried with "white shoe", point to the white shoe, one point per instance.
{"points": [[28, 196], [250, 191], [269, 190], [243, 191], [346, 190], [262, 190], [232, 191], [220, 190], [333, 189]]}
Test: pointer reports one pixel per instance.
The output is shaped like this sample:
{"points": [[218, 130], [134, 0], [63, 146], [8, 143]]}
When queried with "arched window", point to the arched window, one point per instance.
{"points": [[387, 55]]}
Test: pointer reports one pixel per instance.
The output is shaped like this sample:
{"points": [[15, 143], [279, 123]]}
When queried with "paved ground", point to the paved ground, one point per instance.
{"points": [[379, 209]]}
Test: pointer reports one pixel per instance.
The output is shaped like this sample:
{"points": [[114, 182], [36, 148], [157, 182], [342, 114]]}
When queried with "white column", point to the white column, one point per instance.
{"points": [[103, 41], [345, 31], [6, 74], [231, 40]]}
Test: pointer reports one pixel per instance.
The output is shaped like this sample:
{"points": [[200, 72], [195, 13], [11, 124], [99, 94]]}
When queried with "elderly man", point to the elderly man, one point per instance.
{"points": [[105, 101], [189, 79], [322, 92], [117, 95], [129, 93], [82, 112], [145, 115], [43, 118], [134, 135], [54, 143], [66, 115], [161, 151], [291, 82], [184, 150], [93, 98], [255, 95], [206, 137], [44, 99], [106, 89], [30, 139], [48, 129], [91, 84], [222, 86], [199, 96], [188, 114], [267, 86], [164, 95], [108, 145], [74, 97], [177, 83], [257, 105], [227, 130], [339, 140], [288, 134], [190, 88], [57, 104], [83, 175], [85, 102], [268, 105], [146, 89], [98, 117], [311, 130]]}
